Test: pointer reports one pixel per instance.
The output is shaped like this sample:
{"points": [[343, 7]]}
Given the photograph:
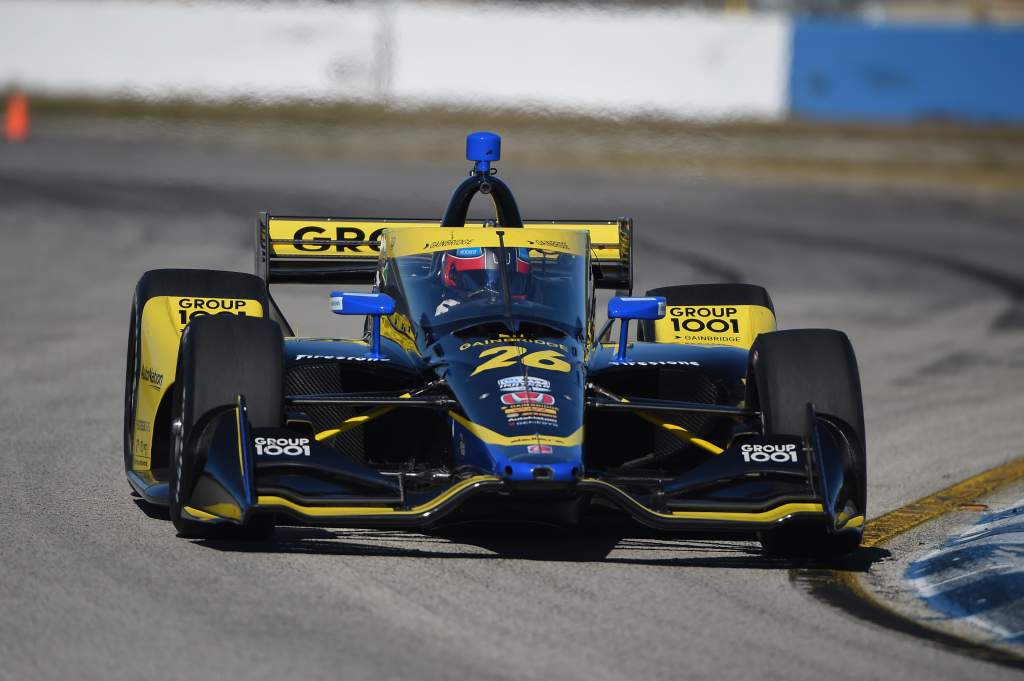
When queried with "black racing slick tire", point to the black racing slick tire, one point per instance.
{"points": [[183, 283], [706, 294], [221, 357], [787, 370]]}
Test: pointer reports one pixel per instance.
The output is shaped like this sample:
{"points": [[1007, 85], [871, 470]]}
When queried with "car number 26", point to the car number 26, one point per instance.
{"points": [[506, 355]]}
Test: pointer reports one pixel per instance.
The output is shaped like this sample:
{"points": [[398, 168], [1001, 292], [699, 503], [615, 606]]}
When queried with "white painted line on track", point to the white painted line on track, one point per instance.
{"points": [[977, 576]]}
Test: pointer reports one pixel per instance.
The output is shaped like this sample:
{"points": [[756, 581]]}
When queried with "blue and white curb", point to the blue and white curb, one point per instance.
{"points": [[978, 576]]}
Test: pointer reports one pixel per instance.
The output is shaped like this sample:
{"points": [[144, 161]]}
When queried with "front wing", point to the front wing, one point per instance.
{"points": [[247, 472]]}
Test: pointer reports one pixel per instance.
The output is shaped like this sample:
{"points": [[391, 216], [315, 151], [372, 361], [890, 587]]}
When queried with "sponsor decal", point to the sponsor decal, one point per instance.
{"points": [[398, 328], [343, 357], [719, 322], [657, 363], [507, 338], [142, 426], [150, 376], [212, 304], [401, 323], [320, 243], [550, 243], [524, 383], [530, 409], [781, 453], [529, 413], [503, 356], [446, 244], [532, 420], [190, 308], [527, 397], [540, 449], [282, 446]]}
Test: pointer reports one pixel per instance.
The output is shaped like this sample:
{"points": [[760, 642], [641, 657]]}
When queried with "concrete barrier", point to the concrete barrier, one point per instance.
{"points": [[669, 62], [216, 50], [856, 72], [545, 58]]}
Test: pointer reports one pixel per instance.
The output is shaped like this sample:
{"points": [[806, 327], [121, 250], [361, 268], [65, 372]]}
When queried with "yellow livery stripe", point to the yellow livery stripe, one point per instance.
{"points": [[352, 422], [214, 512], [845, 522], [493, 438], [771, 515], [356, 421], [355, 511], [681, 433]]}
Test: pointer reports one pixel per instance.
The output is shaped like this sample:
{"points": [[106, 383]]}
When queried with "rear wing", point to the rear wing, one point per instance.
{"points": [[323, 250]]}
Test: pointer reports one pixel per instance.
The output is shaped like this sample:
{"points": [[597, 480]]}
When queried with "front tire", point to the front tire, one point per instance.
{"points": [[787, 370], [221, 357]]}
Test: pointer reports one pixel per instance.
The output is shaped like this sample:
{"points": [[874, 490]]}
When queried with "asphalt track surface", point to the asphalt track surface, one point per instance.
{"points": [[929, 287]]}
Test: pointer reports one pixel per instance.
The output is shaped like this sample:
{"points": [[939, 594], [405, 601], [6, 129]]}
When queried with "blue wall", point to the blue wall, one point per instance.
{"points": [[846, 71]]}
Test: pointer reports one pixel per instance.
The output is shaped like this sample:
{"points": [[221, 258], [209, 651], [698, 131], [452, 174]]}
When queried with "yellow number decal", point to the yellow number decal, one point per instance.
{"points": [[546, 359], [506, 356]]}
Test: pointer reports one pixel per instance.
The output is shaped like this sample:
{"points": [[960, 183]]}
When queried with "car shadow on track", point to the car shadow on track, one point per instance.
{"points": [[624, 544], [151, 510]]}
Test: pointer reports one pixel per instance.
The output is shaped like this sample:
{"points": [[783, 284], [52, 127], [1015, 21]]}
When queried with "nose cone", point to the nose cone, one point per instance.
{"points": [[519, 418], [565, 466], [519, 428], [527, 454]]}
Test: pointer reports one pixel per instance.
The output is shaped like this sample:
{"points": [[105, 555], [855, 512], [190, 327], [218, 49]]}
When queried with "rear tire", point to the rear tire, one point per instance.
{"points": [[787, 370], [221, 357], [184, 283]]}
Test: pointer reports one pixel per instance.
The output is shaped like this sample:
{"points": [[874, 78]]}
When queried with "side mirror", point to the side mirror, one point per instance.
{"points": [[650, 307], [373, 304], [361, 303]]}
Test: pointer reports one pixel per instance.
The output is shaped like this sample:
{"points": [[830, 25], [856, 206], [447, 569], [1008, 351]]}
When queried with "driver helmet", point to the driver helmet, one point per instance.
{"points": [[466, 270]]}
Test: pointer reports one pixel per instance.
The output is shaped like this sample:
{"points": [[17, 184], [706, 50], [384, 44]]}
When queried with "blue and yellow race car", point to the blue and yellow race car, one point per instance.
{"points": [[482, 388]]}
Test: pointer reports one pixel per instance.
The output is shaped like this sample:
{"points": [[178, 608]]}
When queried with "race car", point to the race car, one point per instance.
{"points": [[482, 390]]}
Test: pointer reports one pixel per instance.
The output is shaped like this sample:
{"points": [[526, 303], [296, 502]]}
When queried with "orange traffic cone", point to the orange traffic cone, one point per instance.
{"points": [[16, 122]]}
